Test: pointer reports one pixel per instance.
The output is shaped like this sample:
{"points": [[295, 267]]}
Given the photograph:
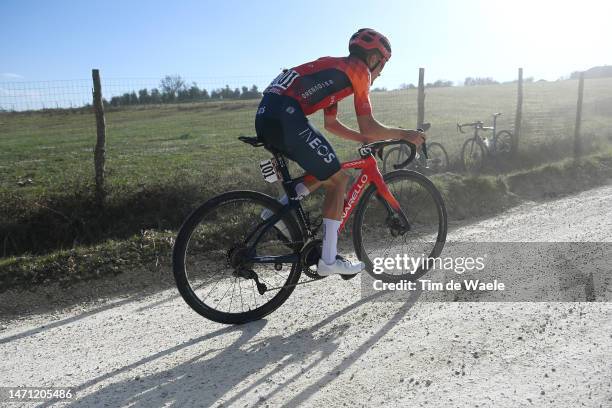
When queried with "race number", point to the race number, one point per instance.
{"points": [[285, 79], [268, 170]]}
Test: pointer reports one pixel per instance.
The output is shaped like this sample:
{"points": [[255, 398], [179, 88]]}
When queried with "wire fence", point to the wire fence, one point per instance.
{"points": [[73, 94], [47, 128]]}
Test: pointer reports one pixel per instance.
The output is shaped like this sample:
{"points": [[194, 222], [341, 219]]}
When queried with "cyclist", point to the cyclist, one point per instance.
{"points": [[298, 92]]}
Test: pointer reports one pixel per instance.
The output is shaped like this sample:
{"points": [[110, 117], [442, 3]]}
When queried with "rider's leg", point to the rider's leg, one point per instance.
{"points": [[301, 142], [335, 186], [330, 263], [302, 189]]}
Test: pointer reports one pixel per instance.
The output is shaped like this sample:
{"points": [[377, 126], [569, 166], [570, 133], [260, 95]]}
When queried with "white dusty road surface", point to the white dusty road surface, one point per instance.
{"points": [[329, 347]]}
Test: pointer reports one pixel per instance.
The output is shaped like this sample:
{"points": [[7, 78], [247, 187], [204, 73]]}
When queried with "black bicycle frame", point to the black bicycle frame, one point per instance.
{"points": [[293, 204]]}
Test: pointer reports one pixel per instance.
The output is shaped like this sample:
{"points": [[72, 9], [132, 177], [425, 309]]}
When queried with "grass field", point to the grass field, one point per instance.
{"points": [[163, 160]]}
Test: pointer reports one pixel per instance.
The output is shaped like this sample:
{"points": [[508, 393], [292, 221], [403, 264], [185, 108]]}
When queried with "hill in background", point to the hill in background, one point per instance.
{"points": [[604, 71]]}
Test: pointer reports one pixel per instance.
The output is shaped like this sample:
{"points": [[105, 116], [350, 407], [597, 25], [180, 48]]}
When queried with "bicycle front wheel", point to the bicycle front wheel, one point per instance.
{"points": [[472, 154], [437, 158], [212, 251], [393, 156], [378, 233]]}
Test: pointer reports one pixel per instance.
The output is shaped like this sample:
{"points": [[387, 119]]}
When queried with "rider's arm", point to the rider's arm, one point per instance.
{"points": [[372, 130], [332, 124]]}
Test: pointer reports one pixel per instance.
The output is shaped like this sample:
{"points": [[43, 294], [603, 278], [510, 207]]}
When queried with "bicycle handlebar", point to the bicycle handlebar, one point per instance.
{"points": [[477, 124], [377, 147]]}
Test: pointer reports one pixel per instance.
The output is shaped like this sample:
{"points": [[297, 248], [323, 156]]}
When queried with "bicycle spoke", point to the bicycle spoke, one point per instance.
{"points": [[421, 210]]}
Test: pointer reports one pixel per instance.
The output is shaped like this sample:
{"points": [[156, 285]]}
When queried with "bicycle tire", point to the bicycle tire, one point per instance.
{"points": [[181, 246], [395, 155], [360, 215], [502, 142], [473, 149], [431, 153]]}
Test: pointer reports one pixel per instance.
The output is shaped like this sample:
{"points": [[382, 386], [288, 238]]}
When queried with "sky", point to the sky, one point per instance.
{"points": [[222, 40]]}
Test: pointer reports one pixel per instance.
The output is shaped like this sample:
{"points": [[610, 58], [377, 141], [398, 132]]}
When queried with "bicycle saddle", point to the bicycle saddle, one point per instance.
{"points": [[253, 141], [256, 142]]}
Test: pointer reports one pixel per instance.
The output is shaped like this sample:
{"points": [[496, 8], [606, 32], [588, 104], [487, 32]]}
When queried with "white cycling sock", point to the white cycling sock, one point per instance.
{"points": [[301, 190], [330, 240]]}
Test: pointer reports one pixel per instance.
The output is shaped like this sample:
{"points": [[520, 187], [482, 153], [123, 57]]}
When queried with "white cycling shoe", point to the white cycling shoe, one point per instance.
{"points": [[340, 267]]}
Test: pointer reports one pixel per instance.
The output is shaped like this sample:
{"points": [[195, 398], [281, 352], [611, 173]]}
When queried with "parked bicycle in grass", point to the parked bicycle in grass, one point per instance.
{"points": [[431, 158], [240, 255], [476, 149]]}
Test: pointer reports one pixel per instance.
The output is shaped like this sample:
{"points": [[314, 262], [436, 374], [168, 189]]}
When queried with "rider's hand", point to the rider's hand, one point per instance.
{"points": [[415, 137]]}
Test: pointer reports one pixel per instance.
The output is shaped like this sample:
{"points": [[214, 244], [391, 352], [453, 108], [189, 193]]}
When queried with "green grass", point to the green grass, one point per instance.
{"points": [[198, 141], [164, 160], [465, 197]]}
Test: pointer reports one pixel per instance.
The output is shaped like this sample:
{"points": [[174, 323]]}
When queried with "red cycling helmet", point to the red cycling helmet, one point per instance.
{"points": [[366, 40]]}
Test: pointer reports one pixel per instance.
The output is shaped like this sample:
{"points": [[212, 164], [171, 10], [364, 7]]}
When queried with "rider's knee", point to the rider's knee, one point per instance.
{"points": [[339, 178]]}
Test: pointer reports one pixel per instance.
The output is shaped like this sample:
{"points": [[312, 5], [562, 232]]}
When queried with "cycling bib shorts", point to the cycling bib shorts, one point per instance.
{"points": [[281, 123]]}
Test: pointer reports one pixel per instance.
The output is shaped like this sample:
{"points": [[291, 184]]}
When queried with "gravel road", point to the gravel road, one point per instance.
{"points": [[329, 347]]}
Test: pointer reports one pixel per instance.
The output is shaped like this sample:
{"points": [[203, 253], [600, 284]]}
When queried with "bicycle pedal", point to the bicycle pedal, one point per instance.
{"points": [[348, 277]]}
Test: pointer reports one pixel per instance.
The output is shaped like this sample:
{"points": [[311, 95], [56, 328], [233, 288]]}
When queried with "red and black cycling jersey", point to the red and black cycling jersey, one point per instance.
{"points": [[320, 84]]}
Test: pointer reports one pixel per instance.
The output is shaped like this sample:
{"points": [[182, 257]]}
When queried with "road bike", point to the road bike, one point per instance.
{"points": [[431, 158], [233, 265], [475, 150]]}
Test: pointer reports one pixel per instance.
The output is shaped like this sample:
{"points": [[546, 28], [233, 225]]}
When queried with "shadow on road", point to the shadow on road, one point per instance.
{"points": [[205, 378], [63, 322]]}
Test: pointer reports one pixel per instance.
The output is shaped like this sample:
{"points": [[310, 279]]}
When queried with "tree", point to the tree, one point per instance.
{"points": [[469, 81], [252, 93], [194, 92], [133, 98], [440, 83], [183, 95], [155, 96], [125, 99], [171, 85], [226, 93], [245, 92], [143, 96], [407, 86]]}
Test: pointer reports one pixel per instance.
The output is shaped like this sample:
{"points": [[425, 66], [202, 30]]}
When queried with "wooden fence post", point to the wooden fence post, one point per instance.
{"points": [[421, 98], [99, 151], [577, 140], [519, 113]]}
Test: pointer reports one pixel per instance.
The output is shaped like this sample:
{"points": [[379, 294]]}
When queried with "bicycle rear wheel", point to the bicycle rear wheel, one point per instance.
{"points": [[502, 142], [378, 233], [211, 247]]}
